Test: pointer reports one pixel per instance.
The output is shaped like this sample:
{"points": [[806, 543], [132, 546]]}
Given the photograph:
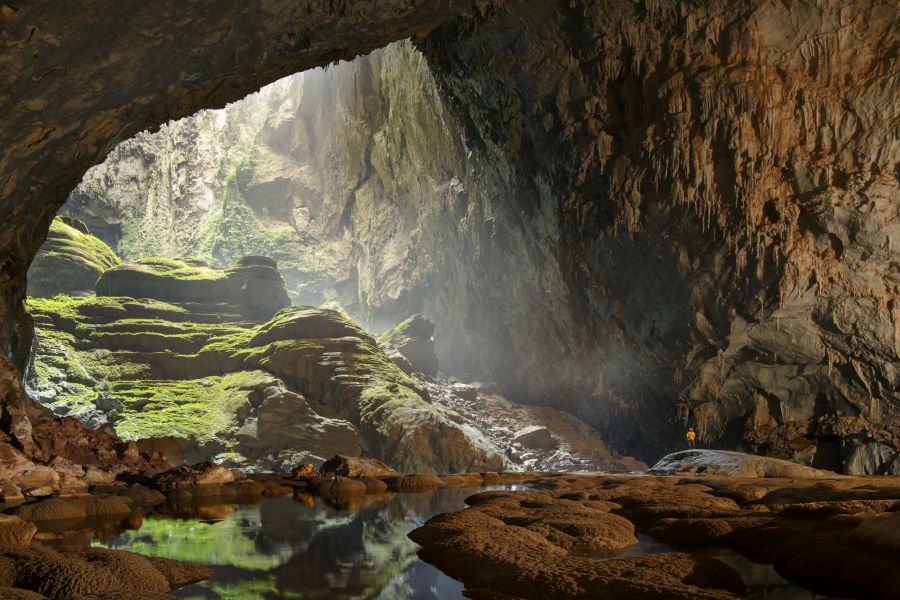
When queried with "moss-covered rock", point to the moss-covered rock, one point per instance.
{"points": [[253, 286], [70, 261], [413, 339], [305, 385]]}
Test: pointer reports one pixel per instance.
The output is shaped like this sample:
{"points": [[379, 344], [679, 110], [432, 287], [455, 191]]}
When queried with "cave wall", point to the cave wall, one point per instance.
{"points": [[729, 209], [718, 184]]}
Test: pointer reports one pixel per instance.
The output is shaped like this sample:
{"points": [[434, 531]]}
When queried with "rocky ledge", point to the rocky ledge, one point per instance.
{"points": [[565, 538]]}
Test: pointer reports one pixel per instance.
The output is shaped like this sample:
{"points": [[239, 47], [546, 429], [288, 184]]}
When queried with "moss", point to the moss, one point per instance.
{"points": [[63, 239], [179, 269], [198, 409]]}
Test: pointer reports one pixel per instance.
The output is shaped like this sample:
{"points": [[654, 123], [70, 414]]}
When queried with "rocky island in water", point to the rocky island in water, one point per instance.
{"points": [[429, 300]]}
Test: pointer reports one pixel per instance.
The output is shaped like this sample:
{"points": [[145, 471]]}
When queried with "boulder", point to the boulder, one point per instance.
{"points": [[70, 261], [413, 339], [536, 438], [254, 289], [305, 471], [187, 476], [356, 466], [733, 464]]}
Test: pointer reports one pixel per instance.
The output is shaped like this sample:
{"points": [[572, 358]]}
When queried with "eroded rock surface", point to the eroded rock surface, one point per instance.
{"points": [[835, 535], [185, 362], [735, 464], [70, 260]]}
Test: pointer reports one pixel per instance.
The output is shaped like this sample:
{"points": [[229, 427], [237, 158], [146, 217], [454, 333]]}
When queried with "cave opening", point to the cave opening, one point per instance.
{"points": [[197, 286], [540, 236]]}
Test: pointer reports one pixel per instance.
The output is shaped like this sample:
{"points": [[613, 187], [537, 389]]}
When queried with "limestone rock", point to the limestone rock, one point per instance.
{"points": [[15, 532], [253, 288], [356, 466], [202, 474], [536, 437], [413, 339], [70, 261], [305, 471], [737, 464]]}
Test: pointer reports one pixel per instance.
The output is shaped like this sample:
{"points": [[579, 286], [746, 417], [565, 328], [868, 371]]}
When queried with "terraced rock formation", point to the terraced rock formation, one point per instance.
{"points": [[70, 261], [568, 536], [195, 376]]}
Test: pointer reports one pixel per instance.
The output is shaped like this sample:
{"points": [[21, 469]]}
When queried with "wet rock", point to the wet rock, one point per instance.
{"points": [[190, 476], [178, 573], [721, 462], [71, 573], [305, 471], [85, 507], [356, 466], [341, 487], [413, 483], [144, 496], [462, 480], [374, 486]]}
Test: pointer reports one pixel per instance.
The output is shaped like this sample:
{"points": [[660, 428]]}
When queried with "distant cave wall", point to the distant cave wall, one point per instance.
{"points": [[368, 191]]}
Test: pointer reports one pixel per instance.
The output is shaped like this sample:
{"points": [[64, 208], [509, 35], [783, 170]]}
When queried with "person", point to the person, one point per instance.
{"points": [[691, 437]]}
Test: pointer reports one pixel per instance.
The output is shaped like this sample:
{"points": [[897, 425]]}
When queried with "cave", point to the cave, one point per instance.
{"points": [[451, 245]]}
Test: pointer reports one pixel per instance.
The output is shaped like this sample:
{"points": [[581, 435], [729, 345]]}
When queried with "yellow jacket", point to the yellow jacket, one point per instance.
{"points": [[691, 436]]}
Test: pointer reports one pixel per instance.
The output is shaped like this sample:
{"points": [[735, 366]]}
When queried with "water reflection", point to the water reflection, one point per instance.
{"points": [[304, 548]]}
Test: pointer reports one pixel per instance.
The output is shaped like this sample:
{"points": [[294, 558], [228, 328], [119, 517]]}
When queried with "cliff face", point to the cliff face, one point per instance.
{"points": [[657, 213], [728, 199]]}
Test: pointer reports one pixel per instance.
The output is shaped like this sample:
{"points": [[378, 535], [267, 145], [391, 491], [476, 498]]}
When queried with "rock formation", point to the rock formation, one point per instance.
{"points": [[835, 534], [414, 340], [695, 219], [70, 261], [178, 359]]}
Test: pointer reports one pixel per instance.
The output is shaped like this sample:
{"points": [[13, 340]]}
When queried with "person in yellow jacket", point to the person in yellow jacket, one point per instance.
{"points": [[691, 438]]}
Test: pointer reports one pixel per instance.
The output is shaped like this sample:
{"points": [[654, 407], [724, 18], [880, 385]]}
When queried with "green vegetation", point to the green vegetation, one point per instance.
{"points": [[70, 261], [197, 409], [171, 369], [71, 243]]}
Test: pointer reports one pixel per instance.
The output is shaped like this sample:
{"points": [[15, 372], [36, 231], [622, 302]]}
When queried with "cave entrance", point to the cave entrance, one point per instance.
{"points": [[246, 284], [155, 295]]}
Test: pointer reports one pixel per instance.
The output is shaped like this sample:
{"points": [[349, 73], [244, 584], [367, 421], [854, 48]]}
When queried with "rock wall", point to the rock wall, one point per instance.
{"points": [[716, 186]]}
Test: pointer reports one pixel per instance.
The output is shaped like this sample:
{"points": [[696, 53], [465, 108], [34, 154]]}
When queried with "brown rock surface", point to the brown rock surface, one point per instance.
{"points": [[507, 542], [74, 573], [356, 466]]}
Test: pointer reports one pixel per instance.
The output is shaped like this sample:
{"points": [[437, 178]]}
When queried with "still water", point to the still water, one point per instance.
{"points": [[289, 548], [301, 547]]}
